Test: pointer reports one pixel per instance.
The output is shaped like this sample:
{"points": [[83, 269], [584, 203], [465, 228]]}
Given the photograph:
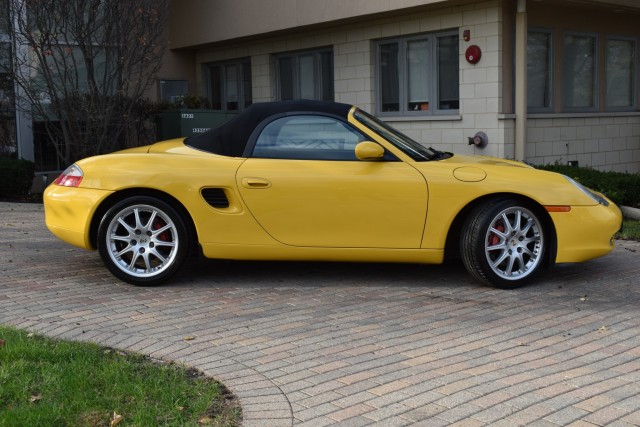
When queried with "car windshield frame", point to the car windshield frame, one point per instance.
{"points": [[411, 148]]}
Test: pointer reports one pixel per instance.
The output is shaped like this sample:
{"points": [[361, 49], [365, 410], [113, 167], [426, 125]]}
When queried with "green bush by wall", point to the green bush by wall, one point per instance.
{"points": [[622, 188], [16, 177]]}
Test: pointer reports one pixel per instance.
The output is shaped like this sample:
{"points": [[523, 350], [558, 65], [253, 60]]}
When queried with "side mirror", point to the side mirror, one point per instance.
{"points": [[368, 150]]}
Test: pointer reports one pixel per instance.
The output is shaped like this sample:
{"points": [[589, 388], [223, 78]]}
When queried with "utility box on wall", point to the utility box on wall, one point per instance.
{"points": [[189, 122]]}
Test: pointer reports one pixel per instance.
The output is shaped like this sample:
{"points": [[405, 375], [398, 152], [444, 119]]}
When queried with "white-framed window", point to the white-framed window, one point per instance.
{"points": [[539, 71], [580, 72], [620, 74], [229, 85], [304, 75], [418, 75]]}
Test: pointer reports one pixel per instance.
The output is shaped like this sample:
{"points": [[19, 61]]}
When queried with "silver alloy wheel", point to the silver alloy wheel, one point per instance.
{"points": [[514, 243], [142, 240]]}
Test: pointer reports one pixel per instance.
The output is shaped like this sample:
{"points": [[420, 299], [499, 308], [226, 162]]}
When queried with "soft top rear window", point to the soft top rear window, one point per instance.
{"points": [[230, 139]]}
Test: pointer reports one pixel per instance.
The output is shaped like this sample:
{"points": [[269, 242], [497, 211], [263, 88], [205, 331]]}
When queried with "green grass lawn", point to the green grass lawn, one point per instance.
{"points": [[45, 382], [630, 230]]}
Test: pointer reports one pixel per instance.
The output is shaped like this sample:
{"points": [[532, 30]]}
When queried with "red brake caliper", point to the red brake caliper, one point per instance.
{"points": [[494, 239], [164, 236]]}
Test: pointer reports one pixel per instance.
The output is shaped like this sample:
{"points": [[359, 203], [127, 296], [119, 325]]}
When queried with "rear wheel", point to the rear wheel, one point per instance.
{"points": [[503, 243], [143, 240]]}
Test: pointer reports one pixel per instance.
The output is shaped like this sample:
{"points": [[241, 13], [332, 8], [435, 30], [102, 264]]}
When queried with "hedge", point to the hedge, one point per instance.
{"points": [[16, 177], [622, 188]]}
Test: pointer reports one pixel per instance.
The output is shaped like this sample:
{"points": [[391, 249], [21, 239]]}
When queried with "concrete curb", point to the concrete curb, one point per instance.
{"points": [[630, 213]]}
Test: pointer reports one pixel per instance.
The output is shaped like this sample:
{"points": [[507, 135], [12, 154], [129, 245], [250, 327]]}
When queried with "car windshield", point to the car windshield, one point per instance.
{"points": [[408, 146]]}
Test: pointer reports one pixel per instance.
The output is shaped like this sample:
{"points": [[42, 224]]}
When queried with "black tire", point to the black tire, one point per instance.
{"points": [[504, 243], [143, 240]]}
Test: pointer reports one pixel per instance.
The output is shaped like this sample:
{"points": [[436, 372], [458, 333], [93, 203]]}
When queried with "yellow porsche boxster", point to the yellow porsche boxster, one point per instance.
{"points": [[312, 180]]}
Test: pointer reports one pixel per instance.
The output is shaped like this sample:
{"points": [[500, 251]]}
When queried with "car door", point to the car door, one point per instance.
{"points": [[305, 187]]}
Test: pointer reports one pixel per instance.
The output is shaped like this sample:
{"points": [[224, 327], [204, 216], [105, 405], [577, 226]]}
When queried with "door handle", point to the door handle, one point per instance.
{"points": [[255, 183]]}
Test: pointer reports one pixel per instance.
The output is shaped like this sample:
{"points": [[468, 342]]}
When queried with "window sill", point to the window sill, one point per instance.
{"points": [[512, 116], [433, 118], [578, 115]]}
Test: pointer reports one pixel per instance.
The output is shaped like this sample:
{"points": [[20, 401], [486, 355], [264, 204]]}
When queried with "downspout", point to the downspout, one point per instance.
{"points": [[521, 80]]}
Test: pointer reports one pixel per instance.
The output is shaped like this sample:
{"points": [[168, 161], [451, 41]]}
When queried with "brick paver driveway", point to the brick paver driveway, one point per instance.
{"points": [[353, 344]]}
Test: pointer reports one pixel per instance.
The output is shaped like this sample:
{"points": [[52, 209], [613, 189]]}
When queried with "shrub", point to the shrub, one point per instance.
{"points": [[622, 188], [16, 177]]}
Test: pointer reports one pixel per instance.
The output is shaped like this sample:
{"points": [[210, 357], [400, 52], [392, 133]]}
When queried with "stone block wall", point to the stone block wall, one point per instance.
{"points": [[606, 142]]}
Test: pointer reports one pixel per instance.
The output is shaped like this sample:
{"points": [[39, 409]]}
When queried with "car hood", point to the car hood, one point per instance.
{"points": [[463, 160]]}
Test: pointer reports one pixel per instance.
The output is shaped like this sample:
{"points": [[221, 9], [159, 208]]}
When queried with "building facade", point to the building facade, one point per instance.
{"points": [[546, 80], [408, 62]]}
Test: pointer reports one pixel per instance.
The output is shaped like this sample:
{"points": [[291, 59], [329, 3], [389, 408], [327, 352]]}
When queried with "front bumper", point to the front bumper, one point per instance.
{"points": [[586, 232]]}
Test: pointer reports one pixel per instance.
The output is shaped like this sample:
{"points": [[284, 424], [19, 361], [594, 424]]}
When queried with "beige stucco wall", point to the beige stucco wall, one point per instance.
{"points": [[199, 22]]}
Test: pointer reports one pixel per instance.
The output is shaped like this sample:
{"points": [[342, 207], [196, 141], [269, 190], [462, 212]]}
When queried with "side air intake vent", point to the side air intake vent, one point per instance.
{"points": [[215, 197]]}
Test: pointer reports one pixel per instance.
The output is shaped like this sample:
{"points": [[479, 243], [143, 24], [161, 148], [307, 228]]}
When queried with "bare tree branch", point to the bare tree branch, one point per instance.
{"points": [[83, 66]]}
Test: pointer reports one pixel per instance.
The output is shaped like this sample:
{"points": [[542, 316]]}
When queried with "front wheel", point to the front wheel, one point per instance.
{"points": [[504, 243], [143, 240]]}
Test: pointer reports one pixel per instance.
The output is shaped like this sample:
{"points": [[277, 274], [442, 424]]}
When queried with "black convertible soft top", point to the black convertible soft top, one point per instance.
{"points": [[230, 139]]}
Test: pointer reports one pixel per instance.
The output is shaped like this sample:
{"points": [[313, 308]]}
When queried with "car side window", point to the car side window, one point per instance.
{"points": [[307, 137]]}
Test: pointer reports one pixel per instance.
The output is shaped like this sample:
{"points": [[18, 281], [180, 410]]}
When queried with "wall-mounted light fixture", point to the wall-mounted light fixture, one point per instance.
{"points": [[480, 139]]}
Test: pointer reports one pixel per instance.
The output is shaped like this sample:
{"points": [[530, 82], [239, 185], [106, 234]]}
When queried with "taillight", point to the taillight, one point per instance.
{"points": [[71, 177]]}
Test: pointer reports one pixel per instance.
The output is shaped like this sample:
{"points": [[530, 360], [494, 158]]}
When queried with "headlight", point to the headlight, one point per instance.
{"points": [[592, 194]]}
